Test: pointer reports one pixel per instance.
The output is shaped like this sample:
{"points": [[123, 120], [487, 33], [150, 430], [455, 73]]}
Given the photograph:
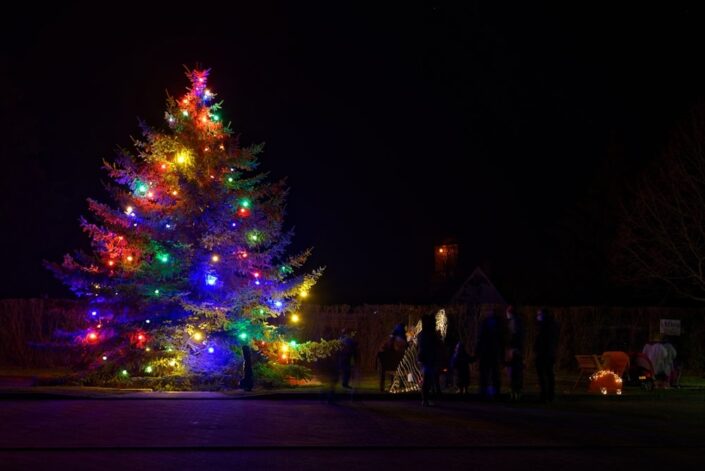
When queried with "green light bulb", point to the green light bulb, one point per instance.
{"points": [[243, 335]]}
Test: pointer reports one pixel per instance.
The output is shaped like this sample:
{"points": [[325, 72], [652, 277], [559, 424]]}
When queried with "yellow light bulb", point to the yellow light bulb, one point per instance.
{"points": [[215, 258], [172, 362], [303, 294], [182, 157], [295, 318], [198, 336], [129, 258], [285, 348], [174, 192]]}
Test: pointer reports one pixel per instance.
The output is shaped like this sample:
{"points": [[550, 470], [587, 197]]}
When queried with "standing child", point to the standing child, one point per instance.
{"points": [[514, 358], [545, 353], [461, 365]]}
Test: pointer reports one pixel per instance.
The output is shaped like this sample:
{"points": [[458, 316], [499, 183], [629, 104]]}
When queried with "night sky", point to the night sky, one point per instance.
{"points": [[512, 129]]}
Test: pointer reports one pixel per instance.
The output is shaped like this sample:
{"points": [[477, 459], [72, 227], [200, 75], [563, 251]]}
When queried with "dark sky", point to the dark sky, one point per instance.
{"points": [[495, 124]]}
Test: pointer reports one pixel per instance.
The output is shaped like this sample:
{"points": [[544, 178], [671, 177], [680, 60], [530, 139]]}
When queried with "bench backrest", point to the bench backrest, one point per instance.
{"points": [[588, 362]]}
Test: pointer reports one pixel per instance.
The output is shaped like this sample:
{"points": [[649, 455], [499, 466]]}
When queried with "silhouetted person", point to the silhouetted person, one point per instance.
{"points": [[460, 364], [328, 369], [545, 353], [490, 353], [346, 355], [429, 344], [247, 381], [391, 352], [515, 352], [675, 363]]}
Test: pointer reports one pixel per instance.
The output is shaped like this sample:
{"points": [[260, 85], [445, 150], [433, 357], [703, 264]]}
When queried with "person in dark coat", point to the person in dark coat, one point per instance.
{"points": [[247, 381], [545, 353], [515, 352], [391, 352], [429, 344], [460, 363], [329, 369], [346, 356], [490, 353]]}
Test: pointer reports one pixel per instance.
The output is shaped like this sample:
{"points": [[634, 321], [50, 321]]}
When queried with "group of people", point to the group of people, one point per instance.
{"points": [[664, 361], [499, 344]]}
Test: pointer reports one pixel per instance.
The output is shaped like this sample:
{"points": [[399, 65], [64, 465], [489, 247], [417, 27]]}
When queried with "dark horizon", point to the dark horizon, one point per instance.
{"points": [[513, 130]]}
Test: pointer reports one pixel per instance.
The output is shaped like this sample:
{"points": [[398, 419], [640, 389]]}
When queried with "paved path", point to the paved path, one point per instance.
{"points": [[307, 434]]}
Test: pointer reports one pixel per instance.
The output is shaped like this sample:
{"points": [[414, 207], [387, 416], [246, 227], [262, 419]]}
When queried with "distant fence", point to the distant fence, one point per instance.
{"points": [[583, 329], [28, 327]]}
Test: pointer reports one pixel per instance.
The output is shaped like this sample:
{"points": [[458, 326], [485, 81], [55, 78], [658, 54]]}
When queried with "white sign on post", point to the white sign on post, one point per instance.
{"points": [[670, 327]]}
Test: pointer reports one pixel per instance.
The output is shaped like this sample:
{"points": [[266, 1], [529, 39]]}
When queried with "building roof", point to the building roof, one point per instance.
{"points": [[477, 289]]}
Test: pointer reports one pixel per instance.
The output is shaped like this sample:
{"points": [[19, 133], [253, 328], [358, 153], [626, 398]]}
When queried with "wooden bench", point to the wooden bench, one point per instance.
{"points": [[587, 364]]}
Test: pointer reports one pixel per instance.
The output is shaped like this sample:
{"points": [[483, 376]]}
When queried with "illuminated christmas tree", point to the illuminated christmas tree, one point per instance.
{"points": [[190, 265]]}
